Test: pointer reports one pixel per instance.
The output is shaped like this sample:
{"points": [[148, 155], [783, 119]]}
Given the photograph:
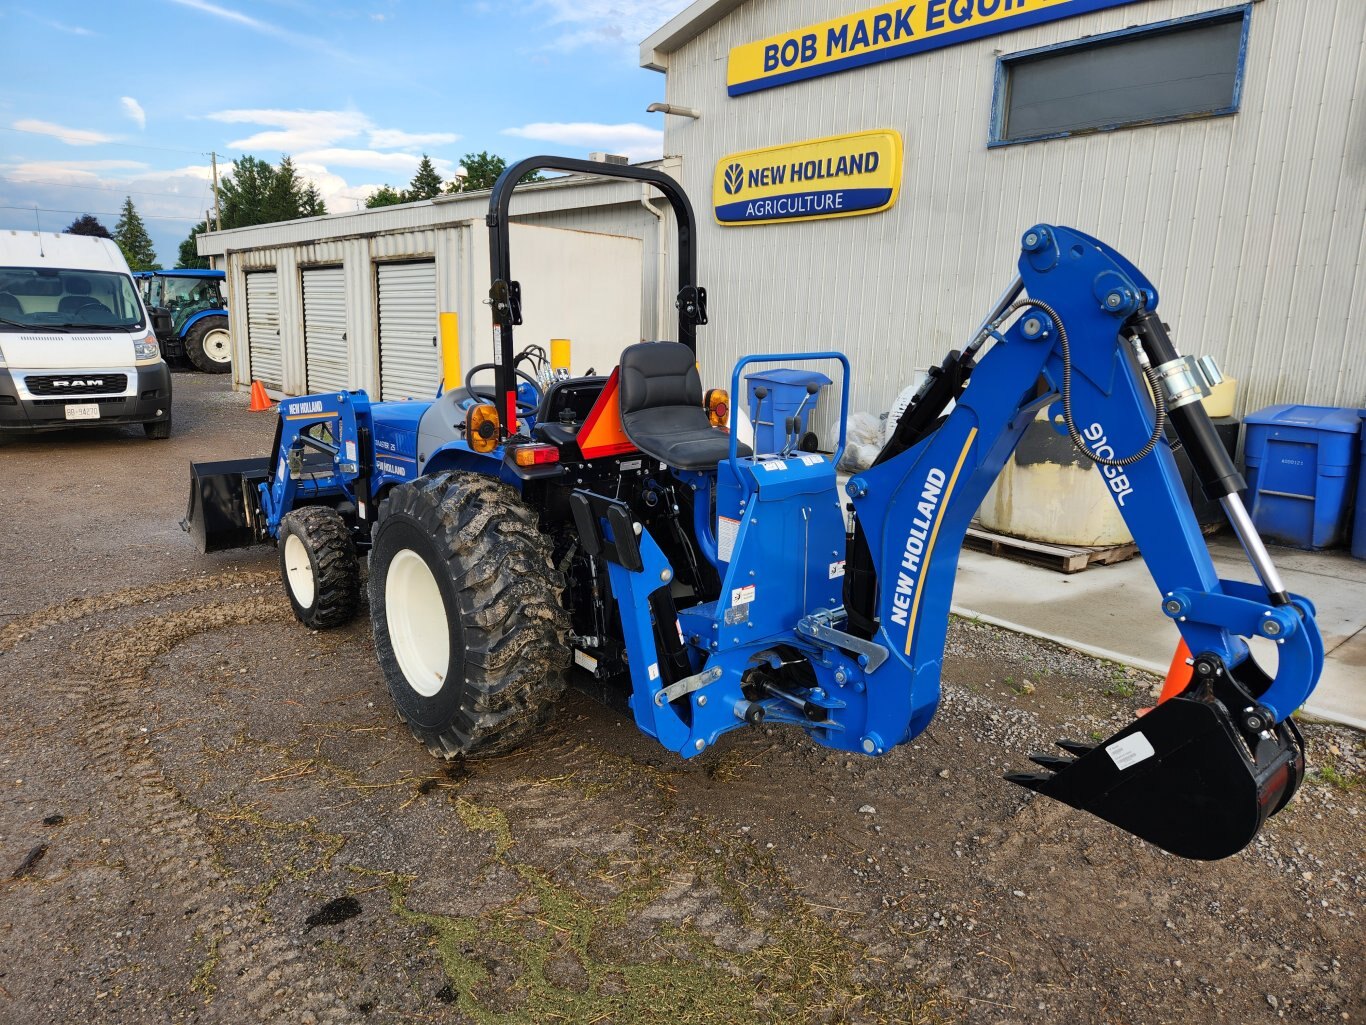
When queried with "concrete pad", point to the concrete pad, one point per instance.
{"points": [[1113, 612]]}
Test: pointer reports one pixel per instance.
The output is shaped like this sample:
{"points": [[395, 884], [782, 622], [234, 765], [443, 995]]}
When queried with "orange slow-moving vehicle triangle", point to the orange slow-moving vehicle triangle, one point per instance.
{"points": [[602, 433]]}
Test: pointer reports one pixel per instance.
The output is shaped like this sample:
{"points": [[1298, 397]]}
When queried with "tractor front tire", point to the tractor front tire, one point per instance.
{"points": [[209, 346], [319, 567], [465, 602]]}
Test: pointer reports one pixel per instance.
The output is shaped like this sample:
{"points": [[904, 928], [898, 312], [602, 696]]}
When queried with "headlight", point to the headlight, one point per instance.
{"points": [[146, 348]]}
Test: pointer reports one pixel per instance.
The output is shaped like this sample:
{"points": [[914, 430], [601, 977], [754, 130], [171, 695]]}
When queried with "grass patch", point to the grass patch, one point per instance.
{"points": [[557, 952], [1329, 773]]}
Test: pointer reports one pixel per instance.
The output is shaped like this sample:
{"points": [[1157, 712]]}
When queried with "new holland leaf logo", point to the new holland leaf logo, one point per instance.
{"points": [[735, 179]]}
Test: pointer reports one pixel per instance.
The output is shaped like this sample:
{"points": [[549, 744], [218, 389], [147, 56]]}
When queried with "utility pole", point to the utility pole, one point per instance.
{"points": [[217, 214]]}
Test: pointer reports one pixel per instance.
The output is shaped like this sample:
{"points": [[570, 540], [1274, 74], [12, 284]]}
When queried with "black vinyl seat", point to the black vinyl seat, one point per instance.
{"points": [[661, 407]]}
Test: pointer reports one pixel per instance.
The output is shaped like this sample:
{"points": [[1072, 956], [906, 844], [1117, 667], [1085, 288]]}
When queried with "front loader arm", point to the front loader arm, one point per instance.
{"points": [[914, 509]]}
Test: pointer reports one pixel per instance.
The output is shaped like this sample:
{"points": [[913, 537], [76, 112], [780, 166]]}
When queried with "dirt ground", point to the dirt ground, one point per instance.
{"points": [[211, 814]]}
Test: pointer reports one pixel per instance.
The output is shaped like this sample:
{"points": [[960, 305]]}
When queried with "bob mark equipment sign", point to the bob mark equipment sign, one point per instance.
{"points": [[840, 176], [886, 33]]}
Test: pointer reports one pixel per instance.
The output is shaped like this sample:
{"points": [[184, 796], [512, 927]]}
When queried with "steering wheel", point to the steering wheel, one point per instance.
{"points": [[523, 407], [90, 307]]}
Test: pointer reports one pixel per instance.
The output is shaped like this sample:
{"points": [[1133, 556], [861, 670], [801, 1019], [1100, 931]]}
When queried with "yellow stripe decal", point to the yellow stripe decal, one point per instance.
{"points": [[934, 533]]}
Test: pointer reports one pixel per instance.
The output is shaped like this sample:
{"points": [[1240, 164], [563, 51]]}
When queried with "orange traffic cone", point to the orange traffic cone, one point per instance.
{"points": [[1179, 675], [259, 399]]}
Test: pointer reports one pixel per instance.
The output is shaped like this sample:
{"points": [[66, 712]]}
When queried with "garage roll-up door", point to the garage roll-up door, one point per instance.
{"points": [[409, 361], [325, 329], [263, 328]]}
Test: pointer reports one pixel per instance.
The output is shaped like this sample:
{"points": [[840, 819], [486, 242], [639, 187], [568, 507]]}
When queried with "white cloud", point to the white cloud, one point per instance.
{"points": [[133, 109], [392, 138], [263, 27], [75, 30], [607, 22], [70, 136], [636, 141], [297, 129], [397, 163], [52, 168]]}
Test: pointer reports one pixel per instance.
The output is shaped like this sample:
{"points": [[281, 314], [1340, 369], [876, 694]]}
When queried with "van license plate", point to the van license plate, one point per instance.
{"points": [[85, 411]]}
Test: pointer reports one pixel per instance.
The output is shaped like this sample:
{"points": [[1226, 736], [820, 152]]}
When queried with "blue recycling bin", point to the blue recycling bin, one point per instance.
{"points": [[788, 396], [1359, 526], [1302, 473]]}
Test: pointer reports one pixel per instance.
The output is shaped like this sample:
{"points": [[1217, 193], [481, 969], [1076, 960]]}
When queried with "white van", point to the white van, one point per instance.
{"points": [[76, 345]]}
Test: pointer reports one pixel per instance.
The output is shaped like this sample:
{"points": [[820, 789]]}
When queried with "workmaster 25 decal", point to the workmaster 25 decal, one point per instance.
{"points": [[835, 177]]}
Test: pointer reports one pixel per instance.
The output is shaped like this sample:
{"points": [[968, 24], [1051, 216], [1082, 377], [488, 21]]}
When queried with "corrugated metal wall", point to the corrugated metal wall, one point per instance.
{"points": [[1251, 226]]}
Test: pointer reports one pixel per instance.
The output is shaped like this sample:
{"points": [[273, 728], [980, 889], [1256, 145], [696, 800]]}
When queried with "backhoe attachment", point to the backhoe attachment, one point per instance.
{"points": [[1200, 774]]}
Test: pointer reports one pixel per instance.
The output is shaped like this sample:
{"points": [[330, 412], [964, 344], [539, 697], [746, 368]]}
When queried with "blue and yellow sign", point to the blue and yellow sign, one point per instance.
{"points": [[886, 33], [840, 176]]}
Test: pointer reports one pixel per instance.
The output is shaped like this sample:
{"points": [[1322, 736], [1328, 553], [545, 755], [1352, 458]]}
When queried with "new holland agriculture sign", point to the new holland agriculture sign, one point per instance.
{"points": [[835, 177], [886, 33]]}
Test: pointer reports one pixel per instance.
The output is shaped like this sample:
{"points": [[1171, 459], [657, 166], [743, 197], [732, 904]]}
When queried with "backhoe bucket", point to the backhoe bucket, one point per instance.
{"points": [[224, 510], [1182, 777]]}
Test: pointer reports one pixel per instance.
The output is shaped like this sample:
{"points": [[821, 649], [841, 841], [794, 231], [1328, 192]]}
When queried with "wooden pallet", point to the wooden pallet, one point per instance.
{"points": [[1063, 558]]}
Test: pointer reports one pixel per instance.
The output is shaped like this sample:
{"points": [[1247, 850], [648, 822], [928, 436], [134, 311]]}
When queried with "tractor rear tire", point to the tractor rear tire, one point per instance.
{"points": [[465, 602], [319, 567], [208, 345]]}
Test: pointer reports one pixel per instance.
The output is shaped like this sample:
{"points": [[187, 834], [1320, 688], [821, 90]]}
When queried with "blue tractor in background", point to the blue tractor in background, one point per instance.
{"points": [[537, 528], [189, 313]]}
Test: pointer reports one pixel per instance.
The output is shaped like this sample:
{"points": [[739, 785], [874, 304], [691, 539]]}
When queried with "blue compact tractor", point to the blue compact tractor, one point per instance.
{"points": [[530, 529]]}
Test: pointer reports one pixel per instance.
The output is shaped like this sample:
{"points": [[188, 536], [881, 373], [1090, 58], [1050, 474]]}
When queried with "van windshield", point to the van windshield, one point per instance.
{"points": [[75, 300]]}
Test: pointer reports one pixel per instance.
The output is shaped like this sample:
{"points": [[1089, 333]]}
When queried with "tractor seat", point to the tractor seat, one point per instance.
{"points": [[661, 407]]}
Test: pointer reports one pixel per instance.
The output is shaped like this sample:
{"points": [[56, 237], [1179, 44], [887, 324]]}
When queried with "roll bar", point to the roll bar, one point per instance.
{"points": [[505, 294]]}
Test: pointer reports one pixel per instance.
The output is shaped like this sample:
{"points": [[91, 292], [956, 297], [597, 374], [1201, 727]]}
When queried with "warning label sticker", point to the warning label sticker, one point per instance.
{"points": [[813, 460], [774, 464], [836, 569], [1130, 751], [726, 531], [585, 660], [742, 595]]}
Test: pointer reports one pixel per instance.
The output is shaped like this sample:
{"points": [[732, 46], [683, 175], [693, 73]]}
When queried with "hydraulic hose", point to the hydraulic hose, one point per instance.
{"points": [[1078, 442]]}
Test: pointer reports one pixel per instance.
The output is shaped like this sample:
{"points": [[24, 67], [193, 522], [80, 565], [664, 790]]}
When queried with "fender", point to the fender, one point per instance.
{"points": [[185, 327]]}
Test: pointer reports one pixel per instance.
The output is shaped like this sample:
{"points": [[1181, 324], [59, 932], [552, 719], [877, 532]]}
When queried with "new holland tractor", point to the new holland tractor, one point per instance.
{"points": [[190, 316], [528, 528]]}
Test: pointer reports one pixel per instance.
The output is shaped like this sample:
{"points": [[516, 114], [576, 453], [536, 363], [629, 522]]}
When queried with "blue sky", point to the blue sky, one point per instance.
{"points": [[105, 98]]}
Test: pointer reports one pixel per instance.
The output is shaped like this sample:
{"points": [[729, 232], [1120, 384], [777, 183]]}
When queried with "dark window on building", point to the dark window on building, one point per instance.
{"points": [[1187, 69]]}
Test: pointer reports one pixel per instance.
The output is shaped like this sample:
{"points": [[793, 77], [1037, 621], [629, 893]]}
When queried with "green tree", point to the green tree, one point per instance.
{"points": [[311, 202], [189, 254], [88, 224], [383, 196], [243, 192], [256, 192], [482, 170], [426, 182], [131, 235]]}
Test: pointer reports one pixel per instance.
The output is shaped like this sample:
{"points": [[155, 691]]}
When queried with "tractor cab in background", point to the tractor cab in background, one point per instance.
{"points": [[189, 311]]}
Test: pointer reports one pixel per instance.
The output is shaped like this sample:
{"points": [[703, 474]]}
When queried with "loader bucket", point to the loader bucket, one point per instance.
{"points": [[224, 510], [1182, 777]]}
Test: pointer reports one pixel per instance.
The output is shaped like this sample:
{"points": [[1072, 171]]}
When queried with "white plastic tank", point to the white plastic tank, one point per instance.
{"points": [[1050, 492]]}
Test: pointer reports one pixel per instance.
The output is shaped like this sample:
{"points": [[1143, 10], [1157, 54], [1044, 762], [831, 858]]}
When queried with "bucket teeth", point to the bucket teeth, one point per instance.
{"points": [[1076, 747], [1053, 762], [1036, 781]]}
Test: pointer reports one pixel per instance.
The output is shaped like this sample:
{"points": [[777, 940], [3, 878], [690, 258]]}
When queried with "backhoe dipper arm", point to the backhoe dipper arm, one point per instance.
{"points": [[1201, 773]]}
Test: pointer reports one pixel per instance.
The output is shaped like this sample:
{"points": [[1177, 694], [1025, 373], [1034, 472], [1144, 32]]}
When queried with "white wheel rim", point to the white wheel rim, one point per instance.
{"points": [[299, 572], [218, 346], [416, 618]]}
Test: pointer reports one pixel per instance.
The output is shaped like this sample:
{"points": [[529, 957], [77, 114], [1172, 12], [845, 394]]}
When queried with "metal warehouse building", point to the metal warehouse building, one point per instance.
{"points": [[356, 300], [1222, 147], [862, 177]]}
